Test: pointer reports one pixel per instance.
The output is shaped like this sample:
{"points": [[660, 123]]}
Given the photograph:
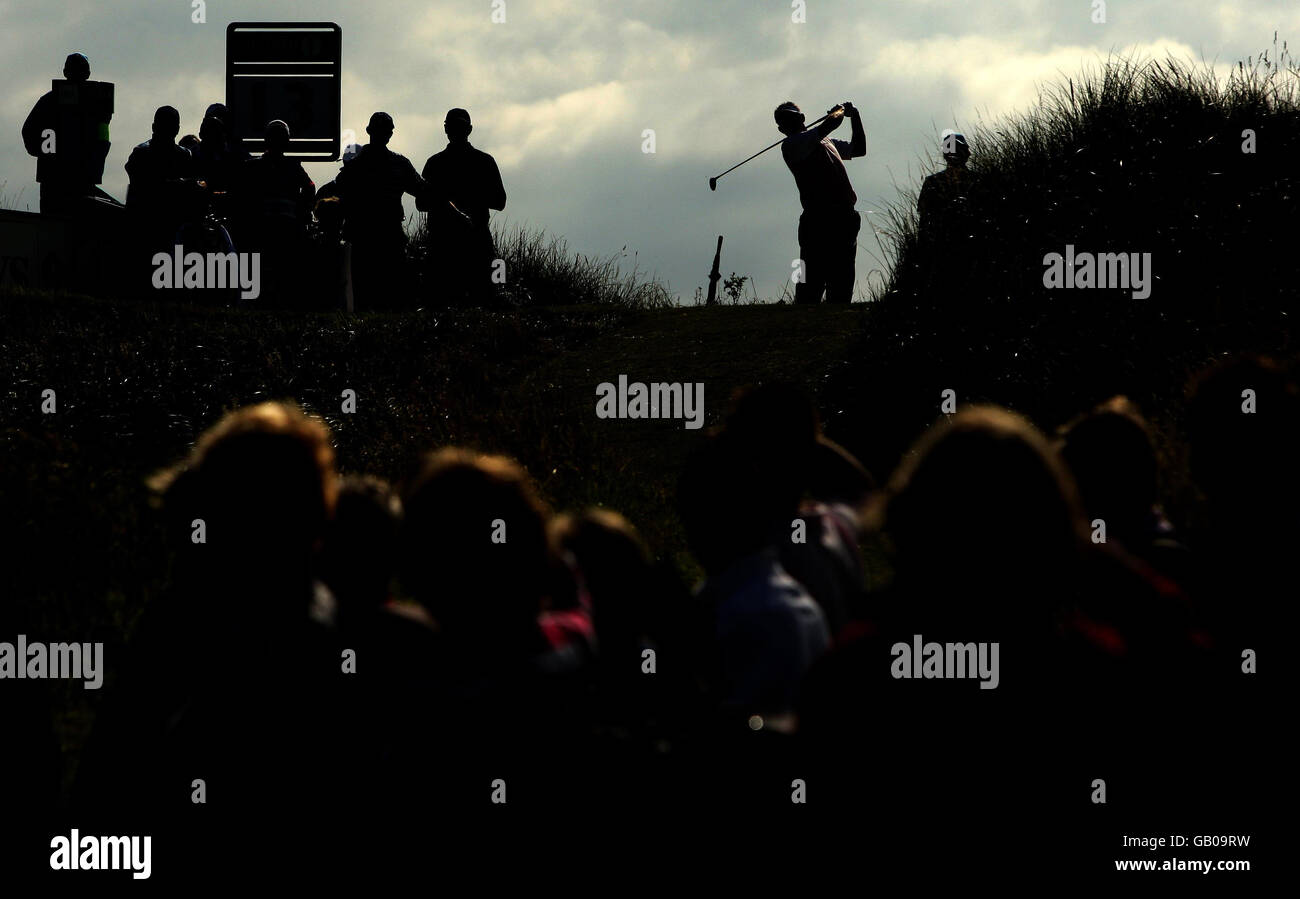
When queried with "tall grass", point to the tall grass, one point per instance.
{"points": [[1136, 156], [541, 270], [1140, 155]]}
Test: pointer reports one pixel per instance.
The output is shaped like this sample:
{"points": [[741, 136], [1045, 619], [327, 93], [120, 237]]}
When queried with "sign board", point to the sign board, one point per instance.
{"points": [[290, 71]]}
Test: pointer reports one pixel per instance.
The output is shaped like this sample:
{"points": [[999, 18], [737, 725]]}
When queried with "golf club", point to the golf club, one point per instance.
{"points": [[713, 182]]}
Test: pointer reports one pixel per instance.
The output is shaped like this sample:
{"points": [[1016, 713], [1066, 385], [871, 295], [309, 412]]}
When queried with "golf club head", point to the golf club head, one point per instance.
{"points": [[713, 184]]}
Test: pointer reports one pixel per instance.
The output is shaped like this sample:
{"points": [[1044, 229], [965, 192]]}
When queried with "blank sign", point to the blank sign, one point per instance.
{"points": [[289, 71]]}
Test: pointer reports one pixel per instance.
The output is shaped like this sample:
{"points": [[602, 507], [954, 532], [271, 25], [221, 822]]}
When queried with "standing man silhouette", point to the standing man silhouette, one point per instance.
{"points": [[828, 227], [461, 253], [67, 132], [371, 188], [275, 196], [156, 195], [944, 202]]}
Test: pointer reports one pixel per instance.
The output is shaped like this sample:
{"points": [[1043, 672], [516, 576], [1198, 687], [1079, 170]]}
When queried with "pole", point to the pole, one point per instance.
{"points": [[715, 276]]}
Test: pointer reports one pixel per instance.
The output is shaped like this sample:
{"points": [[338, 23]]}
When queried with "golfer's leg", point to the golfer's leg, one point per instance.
{"points": [[839, 287], [812, 250], [808, 291]]}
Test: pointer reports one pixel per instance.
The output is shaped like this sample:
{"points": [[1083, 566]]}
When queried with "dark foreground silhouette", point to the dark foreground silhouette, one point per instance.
{"points": [[343, 668]]}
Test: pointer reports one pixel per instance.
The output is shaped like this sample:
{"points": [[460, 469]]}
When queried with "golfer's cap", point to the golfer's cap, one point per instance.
{"points": [[382, 121], [787, 110], [457, 115]]}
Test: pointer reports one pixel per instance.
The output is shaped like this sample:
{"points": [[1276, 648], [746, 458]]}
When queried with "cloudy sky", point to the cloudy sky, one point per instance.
{"points": [[562, 91]]}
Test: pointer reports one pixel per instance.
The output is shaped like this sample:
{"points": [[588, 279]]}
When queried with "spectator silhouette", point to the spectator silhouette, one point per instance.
{"points": [[329, 265], [233, 674], [215, 163], [277, 190], [986, 534], [767, 628], [817, 544], [982, 500], [67, 132], [635, 710], [1110, 452], [275, 198], [202, 233], [371, 187], [360, 552], [828, 227], [944, 204], [460, 258], [233, 146], [476, 555], [330, 188], [157, 168]]}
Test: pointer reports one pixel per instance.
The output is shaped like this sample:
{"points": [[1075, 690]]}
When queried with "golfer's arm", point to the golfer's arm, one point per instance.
{"points": [[858, 144], [497, 193], [829, 124]]}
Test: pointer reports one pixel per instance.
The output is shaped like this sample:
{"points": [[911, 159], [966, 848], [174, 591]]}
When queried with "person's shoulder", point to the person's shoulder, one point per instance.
{"points": [[780, 595]]}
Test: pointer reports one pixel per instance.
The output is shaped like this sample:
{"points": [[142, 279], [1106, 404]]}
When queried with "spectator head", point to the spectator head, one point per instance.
{"points": [[360, 551], [1110, 452], [982, 506], [789, 118], [212, 131], [475, 550], [457, 125], [277, 137], [262, 481], [380, 128], [329, 213], [76, 67], [166, 123], [616, 568], [954, 147], [190, 142]]}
